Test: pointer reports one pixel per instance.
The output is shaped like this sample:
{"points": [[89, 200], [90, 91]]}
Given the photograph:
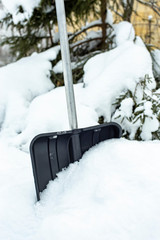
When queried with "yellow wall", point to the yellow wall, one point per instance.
{"points": [[144, 27], [140, 21]]}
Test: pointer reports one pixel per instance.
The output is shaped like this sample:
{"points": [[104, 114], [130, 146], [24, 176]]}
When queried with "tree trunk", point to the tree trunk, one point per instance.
{"points": [[128, 10], [50, 35], [103, 18]]}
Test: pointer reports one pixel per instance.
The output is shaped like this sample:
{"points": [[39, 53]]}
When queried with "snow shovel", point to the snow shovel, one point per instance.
{"points": [[52, 152]]}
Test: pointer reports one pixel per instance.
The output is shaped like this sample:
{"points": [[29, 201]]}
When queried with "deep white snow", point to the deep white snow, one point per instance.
{"points": [[113, 193]]}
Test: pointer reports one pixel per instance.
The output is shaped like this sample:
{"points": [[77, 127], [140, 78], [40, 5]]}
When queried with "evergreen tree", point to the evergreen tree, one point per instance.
{"points": [[37, 32]]}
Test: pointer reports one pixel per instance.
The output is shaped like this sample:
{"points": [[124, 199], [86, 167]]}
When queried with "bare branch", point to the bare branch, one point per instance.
{"points": [[152, 5], [85, 41], [117, 13], [84, 29]]}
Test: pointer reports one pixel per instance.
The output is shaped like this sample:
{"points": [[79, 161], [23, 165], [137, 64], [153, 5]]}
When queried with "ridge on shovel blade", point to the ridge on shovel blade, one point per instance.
{"points": [[51, 152]]}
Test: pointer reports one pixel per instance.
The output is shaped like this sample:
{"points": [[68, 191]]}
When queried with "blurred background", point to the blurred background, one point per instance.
{"points": [[21, 36]]}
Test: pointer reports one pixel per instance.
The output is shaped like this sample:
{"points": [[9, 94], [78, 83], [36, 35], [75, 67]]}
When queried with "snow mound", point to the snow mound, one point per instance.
{"points": [[20, 83], [102, 85], [124, 31], [54, 116], [112, 193], [105, 196], [108, 74]]}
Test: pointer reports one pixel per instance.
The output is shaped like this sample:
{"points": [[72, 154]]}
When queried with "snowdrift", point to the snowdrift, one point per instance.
{"points": [[113, 192]]}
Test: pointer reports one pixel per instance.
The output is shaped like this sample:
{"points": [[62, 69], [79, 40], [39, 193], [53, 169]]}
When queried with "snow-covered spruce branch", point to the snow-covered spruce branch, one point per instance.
{"points": [[138, 112]]}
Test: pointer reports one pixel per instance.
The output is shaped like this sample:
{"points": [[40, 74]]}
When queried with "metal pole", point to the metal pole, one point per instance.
{"points": [[67, 72]]}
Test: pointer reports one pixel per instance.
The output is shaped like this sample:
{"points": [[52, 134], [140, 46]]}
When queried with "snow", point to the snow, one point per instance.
{"points": [[96, 98], [12, 8], [113, 191], [150, 18], [20, 83], [2, 13], [103, 83], [58, 68], [105, 196], [54, 115], [124, 32], [109, 17]]}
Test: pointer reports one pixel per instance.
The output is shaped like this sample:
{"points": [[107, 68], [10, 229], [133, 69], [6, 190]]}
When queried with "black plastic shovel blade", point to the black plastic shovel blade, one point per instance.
{"points": [[51, 152]]}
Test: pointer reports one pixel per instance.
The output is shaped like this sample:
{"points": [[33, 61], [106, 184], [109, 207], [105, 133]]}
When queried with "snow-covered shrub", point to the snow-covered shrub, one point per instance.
{"points": [[138, 112]]}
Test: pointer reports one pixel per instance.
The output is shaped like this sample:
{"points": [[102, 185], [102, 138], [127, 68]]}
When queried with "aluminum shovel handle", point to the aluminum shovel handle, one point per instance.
{"points": [[67, 72]]}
